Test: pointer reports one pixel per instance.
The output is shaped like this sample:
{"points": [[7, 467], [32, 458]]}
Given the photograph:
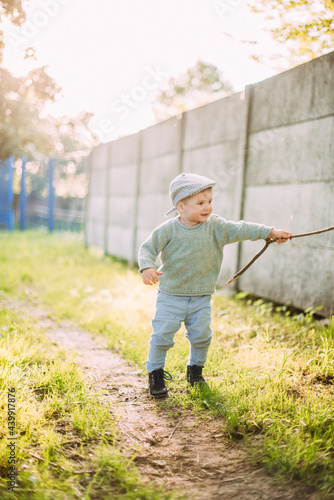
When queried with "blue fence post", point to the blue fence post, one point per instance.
{"points": [[23, 195], [51, 195], [10, 193]]}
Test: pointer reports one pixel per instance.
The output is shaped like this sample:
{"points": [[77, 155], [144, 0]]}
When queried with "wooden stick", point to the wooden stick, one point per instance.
{"points": [[256, 256], [41, 459], [268, 242], [172, 433], [313, 232]]}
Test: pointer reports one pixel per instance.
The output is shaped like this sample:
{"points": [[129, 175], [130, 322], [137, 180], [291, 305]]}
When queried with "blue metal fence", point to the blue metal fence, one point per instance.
{"points": [[23, 198], [6, 193], [51, 201], [38, 204]]}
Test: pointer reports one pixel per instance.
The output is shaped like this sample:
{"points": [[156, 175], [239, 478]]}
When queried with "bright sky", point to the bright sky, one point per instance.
{"points": [[111, 56]]}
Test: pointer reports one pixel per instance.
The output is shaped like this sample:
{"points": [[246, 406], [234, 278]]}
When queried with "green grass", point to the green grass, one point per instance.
{"points": [[66, 434], [270, 371]]}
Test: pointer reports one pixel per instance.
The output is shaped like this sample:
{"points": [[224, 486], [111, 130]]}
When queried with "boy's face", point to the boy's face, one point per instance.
{"points": [[196, 208]]}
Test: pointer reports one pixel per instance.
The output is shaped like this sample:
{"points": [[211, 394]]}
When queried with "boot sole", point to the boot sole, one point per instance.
{"points": [[159, 396]]}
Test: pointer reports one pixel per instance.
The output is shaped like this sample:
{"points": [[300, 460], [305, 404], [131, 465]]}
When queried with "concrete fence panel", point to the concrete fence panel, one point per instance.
{"points": [[301, 94], [291, 273], [96, 203], [215, 123], [121, 195], [296, 153]]}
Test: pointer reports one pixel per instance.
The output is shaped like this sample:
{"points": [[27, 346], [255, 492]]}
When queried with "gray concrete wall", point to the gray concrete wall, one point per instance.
{"points": [[122, 189], [271, 151], [159, 163], [96, 203], [289, 183]]}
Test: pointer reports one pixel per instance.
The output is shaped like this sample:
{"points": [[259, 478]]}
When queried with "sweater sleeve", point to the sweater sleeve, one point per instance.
{"points": [[152, 247], [231, 232]]}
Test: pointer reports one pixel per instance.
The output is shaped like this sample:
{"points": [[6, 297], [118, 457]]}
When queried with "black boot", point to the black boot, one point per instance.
{"points": [[194, 375], [156, 380]]}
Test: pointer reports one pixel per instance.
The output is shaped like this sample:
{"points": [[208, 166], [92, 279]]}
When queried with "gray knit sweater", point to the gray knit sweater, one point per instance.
{"points": [[191, 256]]}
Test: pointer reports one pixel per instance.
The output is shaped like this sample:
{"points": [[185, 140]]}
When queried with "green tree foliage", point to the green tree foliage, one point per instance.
{"points": [[305, 27], [13, 10], [201, 84], [21, 101], [23, 128]]}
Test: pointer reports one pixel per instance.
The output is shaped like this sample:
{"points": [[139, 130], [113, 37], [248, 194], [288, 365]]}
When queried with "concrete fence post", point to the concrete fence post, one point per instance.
{"points": [[240, 204], [107, 197], [182, 126], [136, 201], [89, 168]]}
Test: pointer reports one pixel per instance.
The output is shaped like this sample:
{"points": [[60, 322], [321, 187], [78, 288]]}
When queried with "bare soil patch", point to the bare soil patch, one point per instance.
{"points": [[179, 451]]}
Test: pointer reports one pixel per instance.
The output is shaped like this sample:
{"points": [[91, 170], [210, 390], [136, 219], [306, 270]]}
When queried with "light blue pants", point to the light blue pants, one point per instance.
{"points": [[171, 310]]}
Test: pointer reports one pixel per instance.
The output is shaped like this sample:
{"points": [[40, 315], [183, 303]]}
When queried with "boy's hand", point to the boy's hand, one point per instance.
{"points": [[279, 235], [150, 276]]}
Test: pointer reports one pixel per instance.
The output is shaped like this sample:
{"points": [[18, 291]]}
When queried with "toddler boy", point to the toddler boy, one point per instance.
{"points": [[191, 247]]}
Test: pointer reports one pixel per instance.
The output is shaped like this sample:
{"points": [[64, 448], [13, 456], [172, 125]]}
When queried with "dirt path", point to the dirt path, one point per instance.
{"points": [[180, 453]]}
